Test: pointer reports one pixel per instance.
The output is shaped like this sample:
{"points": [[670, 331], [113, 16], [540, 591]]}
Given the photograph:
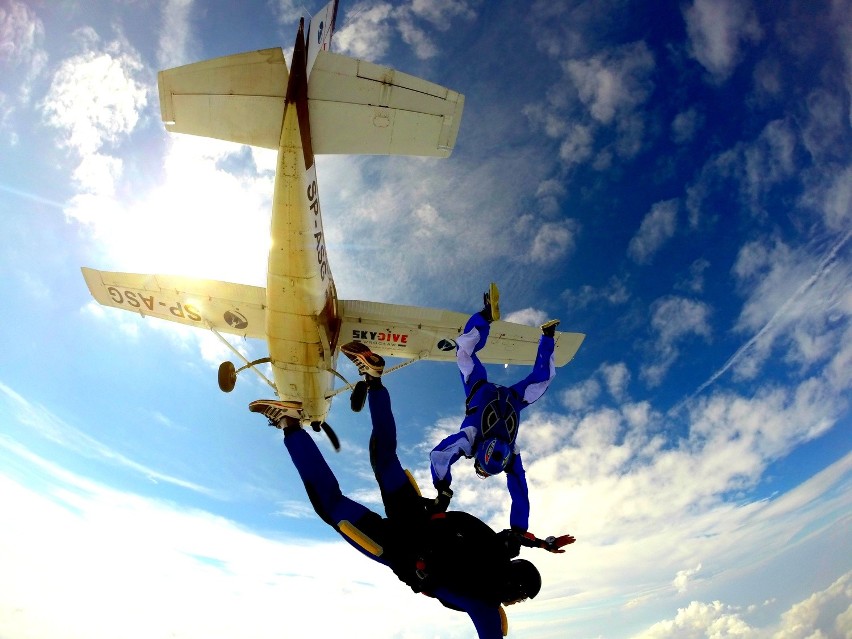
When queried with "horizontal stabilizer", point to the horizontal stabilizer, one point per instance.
{"points": [[237, 309], [409, 331], [358, 107], [239, 98]]}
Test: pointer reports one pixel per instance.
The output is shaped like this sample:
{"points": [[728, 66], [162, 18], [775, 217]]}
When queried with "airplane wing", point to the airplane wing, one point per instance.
{"points": [[237, 309], [359, 107], [239, 98], [409, 331]]}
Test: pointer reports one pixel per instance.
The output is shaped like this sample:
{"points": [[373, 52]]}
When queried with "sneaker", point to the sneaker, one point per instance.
{"points": [[549, 327], [367, 362], [275, 411], [491, 298]]}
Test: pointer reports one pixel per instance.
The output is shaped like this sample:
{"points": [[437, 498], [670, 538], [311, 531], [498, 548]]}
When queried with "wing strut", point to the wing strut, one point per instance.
{"points": [[392, 369], [249, 364]]}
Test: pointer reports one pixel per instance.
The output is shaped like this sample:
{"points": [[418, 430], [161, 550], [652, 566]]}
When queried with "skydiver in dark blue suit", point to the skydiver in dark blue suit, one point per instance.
{"points": [[451, 556]]}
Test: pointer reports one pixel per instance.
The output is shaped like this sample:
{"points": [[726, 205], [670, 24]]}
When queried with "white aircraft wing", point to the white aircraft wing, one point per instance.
{"points": [[238, 309], [238, 97], [410, 331], [358, 107]]}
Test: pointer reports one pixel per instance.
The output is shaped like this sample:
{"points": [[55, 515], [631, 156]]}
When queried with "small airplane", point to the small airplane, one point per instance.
{"points": [[325, 103]]}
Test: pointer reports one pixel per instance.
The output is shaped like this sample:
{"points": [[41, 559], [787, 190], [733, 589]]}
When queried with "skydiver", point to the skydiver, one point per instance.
{"points": [[489, 430], [451, 556]]}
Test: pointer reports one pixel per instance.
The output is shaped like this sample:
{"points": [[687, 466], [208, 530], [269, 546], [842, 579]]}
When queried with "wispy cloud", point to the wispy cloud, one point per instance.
{"points": [[781, 313], [55, 429], [370, 26], [674, 320], [176, 37], [21, 49], [656, 229]]}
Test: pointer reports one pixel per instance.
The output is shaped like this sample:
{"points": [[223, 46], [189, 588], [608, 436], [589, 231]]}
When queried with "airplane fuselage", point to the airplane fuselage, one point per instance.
{"points": [[302, 318]]}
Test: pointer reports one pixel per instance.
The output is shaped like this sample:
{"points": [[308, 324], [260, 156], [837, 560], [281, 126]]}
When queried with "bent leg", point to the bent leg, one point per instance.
{"points": [[533, 386], [471, 341]]}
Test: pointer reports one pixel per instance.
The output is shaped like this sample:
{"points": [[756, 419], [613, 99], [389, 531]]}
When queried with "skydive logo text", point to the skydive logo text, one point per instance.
{"points": [[375, 336]]}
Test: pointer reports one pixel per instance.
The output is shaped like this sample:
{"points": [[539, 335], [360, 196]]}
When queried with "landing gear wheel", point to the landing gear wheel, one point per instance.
{"points": [[227, 377], [359, 396]]}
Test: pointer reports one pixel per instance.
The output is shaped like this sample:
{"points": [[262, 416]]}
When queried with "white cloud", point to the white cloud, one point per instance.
{"points": [[205, 576], [21, 46], [685, 125], [822, 615], [616, 377], [367, 31], [673, 320], [700, 621], [441, 12], [657, 227], [770, 160], [615, 292], [289, 10], [96, 97], [578, 145], [824, 129], [369, 26], [830, 195], [581, 396], [694, 280], [175, 34], [417, 38], [528, 316], [553, 241], [794, 299], [53, 428], [717, 29], [613, 83]]}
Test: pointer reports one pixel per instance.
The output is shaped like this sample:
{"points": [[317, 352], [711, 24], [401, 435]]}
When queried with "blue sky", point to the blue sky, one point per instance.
{"points": [[674, 182]]}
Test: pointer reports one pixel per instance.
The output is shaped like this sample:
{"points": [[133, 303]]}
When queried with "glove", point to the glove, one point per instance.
{"points": [[442, 501], [515, 538], [554, 544]]}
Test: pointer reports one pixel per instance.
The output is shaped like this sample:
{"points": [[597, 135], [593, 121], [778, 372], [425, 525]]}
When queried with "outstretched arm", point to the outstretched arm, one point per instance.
{"points": [[447, 452], [516, 481]]}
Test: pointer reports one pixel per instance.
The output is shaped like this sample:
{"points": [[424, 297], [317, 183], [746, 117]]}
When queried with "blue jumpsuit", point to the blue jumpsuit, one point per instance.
{"points": [[479, 392], [464, 558]]}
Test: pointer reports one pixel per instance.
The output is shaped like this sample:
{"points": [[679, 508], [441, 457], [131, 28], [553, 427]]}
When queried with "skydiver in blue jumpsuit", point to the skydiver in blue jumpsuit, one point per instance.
{"points": [[489, 430], [451, 556]]}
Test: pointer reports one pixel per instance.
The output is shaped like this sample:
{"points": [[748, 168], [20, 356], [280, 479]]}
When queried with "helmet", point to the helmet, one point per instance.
{"points": [[522, 580], [492, 457]]}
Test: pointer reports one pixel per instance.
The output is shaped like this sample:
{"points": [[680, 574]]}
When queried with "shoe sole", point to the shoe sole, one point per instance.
{"points": [[494, 301], [287, 409], [360, 354]]}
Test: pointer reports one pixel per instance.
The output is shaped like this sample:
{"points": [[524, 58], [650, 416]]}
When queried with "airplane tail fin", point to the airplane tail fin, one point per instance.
{"points": [[320, 29]]}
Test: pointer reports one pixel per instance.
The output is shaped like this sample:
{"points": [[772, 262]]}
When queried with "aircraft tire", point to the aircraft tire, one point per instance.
{"points": [[227, 377]]}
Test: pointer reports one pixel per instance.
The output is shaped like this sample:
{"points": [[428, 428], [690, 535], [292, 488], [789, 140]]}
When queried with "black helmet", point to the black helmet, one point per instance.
{"points": [[523, 580]]}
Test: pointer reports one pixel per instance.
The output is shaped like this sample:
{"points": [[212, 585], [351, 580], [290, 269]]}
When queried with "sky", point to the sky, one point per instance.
{"points": [[673, 179]]}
